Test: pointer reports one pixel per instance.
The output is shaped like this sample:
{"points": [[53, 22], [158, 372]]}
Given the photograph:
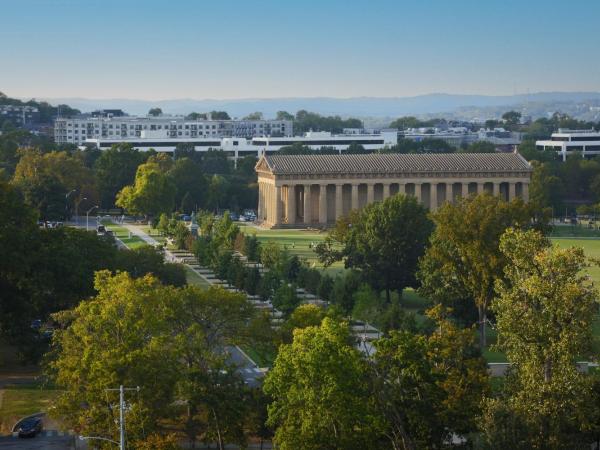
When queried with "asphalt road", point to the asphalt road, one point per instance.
{"points": [[47, 440]]}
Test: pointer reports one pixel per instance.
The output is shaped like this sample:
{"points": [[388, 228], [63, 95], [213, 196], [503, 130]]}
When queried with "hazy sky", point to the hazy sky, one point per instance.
{"points": [[296, 48]]}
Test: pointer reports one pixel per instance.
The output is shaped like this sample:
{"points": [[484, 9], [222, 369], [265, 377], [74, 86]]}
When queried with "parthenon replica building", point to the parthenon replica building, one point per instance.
{"points": [[315, 190]]}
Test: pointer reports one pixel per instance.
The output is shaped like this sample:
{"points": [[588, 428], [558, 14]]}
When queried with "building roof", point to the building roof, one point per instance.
{"points": [[393, 163]]}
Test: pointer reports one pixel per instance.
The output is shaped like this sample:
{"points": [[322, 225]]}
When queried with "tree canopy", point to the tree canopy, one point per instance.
{"points": [[463, 260], [384, 240]]}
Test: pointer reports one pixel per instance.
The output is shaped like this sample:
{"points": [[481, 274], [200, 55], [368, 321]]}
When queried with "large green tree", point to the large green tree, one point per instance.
{"points": [[384, 241], [428, 388], [464, 258], [189, 180], [170, 342], [115, 169], [544, 312], [320, 392], [152, 193]]}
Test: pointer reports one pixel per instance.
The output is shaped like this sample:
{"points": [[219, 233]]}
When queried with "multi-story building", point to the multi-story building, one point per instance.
{"points": [[160, 140], [565, 142], [19, 116], [455, 136], [108, 126]]}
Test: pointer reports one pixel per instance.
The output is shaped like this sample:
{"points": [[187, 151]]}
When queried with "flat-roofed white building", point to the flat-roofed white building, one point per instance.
{"points": [[340, 142], [237, 147], [565, 142]]}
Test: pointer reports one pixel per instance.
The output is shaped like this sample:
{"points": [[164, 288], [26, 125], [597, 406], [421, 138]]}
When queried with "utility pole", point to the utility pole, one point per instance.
{"points": [[122, 390]]}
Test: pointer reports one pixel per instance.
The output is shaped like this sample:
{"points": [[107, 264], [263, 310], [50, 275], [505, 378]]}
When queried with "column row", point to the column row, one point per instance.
{"points": [[305, 204]]}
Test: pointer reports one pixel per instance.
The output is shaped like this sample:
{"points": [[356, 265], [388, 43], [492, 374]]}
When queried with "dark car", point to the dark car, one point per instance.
{"points": [[100, 229], [30, 427]]}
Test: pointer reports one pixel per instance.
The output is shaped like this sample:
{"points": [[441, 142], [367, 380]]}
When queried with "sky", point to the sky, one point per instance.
{"points": [[199, 49]]}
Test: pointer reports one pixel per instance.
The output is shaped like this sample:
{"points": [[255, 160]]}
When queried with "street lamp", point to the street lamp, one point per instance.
{"points": [[77, 210], [88, 438], [87, 217]]}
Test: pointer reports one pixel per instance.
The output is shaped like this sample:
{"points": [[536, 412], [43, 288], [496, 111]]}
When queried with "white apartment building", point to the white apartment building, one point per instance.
{"points": [[78, 130], [565, 142], [237, 147]]}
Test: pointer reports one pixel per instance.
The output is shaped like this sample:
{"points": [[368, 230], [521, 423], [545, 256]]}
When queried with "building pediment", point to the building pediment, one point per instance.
{"points": [[263, 165]]}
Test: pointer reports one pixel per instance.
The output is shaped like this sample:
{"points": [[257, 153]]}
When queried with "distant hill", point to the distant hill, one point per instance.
{"points": [[450, 105]]}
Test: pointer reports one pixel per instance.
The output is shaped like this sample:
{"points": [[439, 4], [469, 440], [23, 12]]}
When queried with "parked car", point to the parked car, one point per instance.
{"points": [[185, 217], [100, 229], [36, 324], [30, 427]]}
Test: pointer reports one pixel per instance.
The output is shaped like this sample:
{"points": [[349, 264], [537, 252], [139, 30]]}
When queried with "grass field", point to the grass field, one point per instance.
{"points": [[154, 234], [122, 234], [20, 401], [194, 279], [299, 242], [567, 231]]}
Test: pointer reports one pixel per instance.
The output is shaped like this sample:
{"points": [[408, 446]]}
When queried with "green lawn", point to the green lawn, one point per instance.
{"points": [[153, 233], [575, 231], [299, 242], [122, 234], [262, 358], [194, 279], [21, 401]]}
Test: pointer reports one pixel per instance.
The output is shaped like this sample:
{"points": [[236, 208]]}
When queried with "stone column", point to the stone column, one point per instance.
{"points": [[512, 191], [277, 205], [291, 204], [386, 190], [464, 190], [525, 192], [268, 209], [307, 206], [339, 205], [260, 218], [355, 196], [419, 192], [402, 188], [433, 200], [370, 193], [480, 188], [496, 189], [323, 203]]}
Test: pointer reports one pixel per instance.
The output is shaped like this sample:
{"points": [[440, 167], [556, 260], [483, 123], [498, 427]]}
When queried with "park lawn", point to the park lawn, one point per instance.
{"points": [[23, 400], [122, 234], [153, 233], [574, 231], [194, 279], [298, 242], [263, 358]]}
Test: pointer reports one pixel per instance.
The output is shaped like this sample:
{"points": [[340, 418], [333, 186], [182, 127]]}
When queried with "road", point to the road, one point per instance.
{"points": [[47, 440]]}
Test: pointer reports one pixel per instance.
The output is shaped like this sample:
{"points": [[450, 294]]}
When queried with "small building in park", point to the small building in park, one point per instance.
{"points": [[315, 190]]}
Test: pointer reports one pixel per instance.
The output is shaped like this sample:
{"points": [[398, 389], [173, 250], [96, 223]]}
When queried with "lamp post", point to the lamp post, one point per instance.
{"points": [[87, 217], [88, 438], [77, 210]]}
